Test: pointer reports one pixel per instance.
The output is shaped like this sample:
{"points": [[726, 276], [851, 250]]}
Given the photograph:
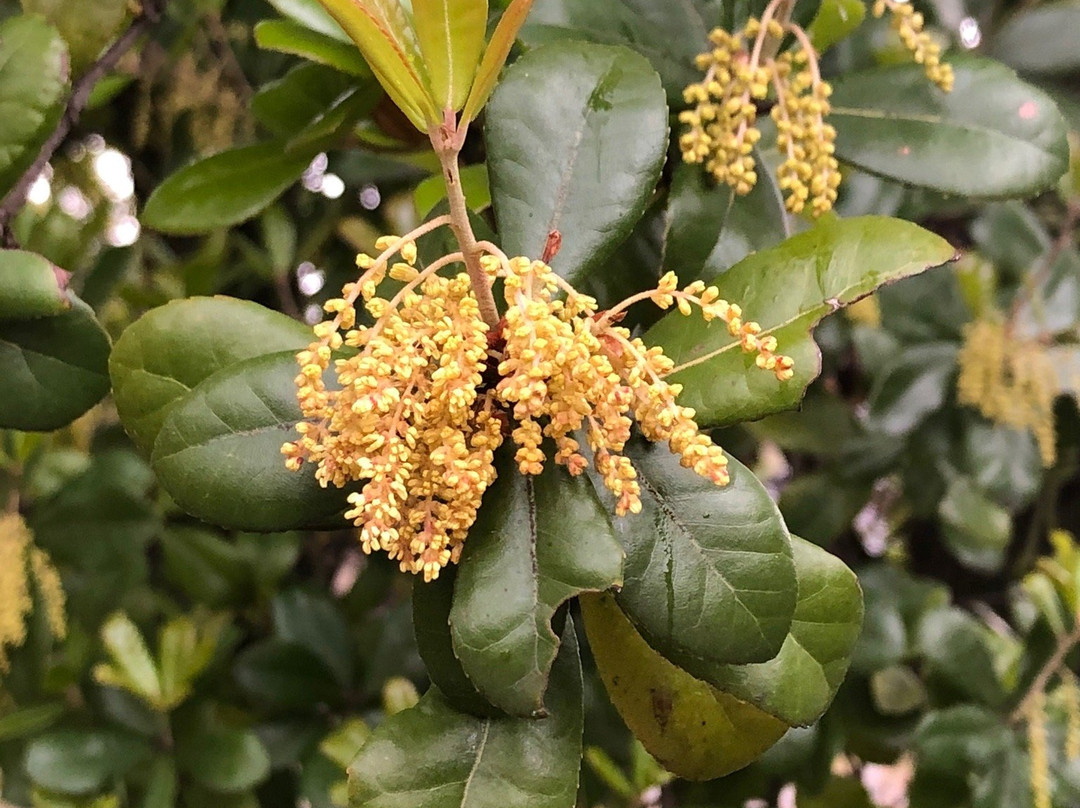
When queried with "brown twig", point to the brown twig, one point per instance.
{"points": [[1046, 673], [151, 12]]}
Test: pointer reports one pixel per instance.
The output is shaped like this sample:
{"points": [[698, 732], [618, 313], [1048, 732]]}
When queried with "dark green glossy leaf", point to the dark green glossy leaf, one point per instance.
{"points": [[800, 682], [54, 368], [36, 71], [223, 190], [290, 37], [82, 761], [537, 543], [709, 577], [1040, 39], [436, 757], [220, 757], [669, 35], [218, 453], [205, 566], [431, 604], [710, 229], [169, 350], [285, 675], [912, 387], [315, 624], [563, 161], [992, 136], [32, 286], [690, 727], [788, 290]]}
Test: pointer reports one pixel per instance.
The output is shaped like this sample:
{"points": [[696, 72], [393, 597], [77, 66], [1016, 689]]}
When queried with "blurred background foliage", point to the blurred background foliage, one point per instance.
{"points": [[202, 667]]}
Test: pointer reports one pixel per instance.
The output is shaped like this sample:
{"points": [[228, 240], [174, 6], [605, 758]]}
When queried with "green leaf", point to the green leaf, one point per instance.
{"points": [[26, 721], [431, 602], [709, 577], [566, 160], [185, 649], [669, 35], [311, 15], [537, 543], [958, 656], [36, 71], [975, 529], [451, 35], [218, 453], [383, 31], [437, 757], [912, 387], [314, 623], [992, 136], [54, 368], [788, 290], [897, 690], [799, 683], [162, 785], [131, 667], [495, 56], [225, 189], [290, 37], [32, 286], [206, 567], [285, 675], [82, 761], [219, 756], [710, 229], [690, 727], [291, 103], [169, 350], [474, 184], [1040, 39], [86, 29], [835, 20]]}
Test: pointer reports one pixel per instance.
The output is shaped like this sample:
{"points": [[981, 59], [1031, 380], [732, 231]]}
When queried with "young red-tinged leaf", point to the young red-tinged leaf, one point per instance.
{"points": [[495, 57], [383, 32], [32, 286], [451, 35]]}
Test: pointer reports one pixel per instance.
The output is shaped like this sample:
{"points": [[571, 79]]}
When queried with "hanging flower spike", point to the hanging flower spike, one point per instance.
{"points": [[722, 130], [908, 24], [25, 567], [414, 419], [1010, 381]]}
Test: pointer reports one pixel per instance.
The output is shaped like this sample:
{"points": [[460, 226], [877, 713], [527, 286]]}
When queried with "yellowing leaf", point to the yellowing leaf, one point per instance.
{"points": [[383, 32], [451, 36], [495, 56]]}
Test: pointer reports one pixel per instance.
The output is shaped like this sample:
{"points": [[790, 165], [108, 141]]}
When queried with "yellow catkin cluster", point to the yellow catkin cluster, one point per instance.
{"points": [[908, 24], [23, 566], [1009, 380], [1071, 691], [809, 173], [721, 128], [1039, 761], [425, 395], [721, 131]]}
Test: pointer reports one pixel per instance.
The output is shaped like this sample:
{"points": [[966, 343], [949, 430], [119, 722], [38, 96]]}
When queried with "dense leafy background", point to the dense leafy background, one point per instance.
{"points": [[217, 189]]}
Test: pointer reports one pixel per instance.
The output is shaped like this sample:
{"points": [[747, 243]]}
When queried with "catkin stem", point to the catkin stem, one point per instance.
{"points": [[446, 142]]}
